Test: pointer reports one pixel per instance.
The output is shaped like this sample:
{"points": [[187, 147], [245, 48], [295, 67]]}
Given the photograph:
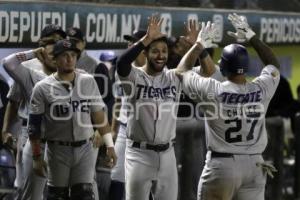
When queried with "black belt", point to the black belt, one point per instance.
{"points": [[70, 144], [228, 155], [123, 124], [24, 122], [157, 147], [220, 155]]}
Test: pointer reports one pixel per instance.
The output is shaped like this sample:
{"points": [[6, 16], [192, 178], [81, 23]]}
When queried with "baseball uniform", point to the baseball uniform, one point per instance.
{"points": [[150, 163], [87, 63], [26, 71], [235, 133], [118, 171], [67, 127]]}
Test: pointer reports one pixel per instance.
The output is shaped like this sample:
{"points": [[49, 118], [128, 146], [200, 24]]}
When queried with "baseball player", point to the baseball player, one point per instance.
{"points": [[93, 67], [85, 62], [149, 158], [119, 124], [234, 116], [27, 68], [64, 108], [153, 94]]}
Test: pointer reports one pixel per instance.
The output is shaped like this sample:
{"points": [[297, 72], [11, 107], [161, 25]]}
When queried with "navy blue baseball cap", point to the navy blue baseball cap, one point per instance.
{"points": [[51, 29], [136, 35], [107, 56], [65, 45], [75, 33]]}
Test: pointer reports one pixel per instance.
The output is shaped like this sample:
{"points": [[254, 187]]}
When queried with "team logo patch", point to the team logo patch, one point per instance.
{"points": [[72, 32]]}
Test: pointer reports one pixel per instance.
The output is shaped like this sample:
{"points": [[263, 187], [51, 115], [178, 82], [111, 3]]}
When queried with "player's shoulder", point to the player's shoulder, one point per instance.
{"points": [[84, 78], [268, 72], [83, 74], [44, 83]]}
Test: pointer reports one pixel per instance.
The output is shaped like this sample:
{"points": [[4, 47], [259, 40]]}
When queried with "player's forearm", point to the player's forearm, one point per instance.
{"points": [[207, 65], [189, 59], [36, 148], [12, 62], [10, 115], [116, 113], [34, 126], [124, 62], [264, 51]]}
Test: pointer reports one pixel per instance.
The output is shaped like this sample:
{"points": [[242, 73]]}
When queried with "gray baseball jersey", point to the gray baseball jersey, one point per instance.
{"points": [[14, 93], [67, 110], [87, 63], [152, 118], [237, 109], [26, 72]]}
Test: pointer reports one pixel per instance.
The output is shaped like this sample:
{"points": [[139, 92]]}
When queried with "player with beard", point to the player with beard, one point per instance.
{"points": [[153, 93], [27, 68]]}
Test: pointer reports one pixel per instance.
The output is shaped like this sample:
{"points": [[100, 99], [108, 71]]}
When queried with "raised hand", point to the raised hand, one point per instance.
{"points": [[153, 30], [207, 34], [191, 30], [40, 54], [243, 30]]}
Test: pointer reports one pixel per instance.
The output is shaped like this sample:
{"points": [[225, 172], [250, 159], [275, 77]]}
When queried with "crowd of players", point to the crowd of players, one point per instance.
{"points": [[53, 80]]}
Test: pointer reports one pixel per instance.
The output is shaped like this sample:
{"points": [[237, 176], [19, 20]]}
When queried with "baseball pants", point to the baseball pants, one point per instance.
{"points": [[232, 178], [33, 185], [118, 171], [147, 170], [71, 165], [22, 137]]}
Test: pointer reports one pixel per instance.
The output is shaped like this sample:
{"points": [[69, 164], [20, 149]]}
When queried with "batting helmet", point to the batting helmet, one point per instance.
{"points": [[234, 60]]}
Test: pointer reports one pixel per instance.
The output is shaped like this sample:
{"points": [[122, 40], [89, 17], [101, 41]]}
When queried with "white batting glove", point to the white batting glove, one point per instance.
{"points": [[207, 34], [243, 30]]}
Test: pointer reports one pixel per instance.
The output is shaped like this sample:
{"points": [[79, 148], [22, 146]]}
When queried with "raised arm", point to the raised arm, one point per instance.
{"points": [[204, 40], [265, 52], [153, 32], [244, 32], [12, 63]]}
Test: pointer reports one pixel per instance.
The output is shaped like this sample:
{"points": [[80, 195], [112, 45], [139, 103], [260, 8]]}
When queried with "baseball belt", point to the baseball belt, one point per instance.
{"points": [[156, 148], [215, 154], [70, 144]]}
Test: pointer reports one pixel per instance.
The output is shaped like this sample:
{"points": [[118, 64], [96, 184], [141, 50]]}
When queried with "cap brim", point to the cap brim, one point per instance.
{"points": [[129, 38], [61, 33]]}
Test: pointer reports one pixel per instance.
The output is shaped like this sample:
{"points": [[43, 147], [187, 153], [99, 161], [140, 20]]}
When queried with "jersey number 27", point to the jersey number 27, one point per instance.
{"points": [[236, 128]]}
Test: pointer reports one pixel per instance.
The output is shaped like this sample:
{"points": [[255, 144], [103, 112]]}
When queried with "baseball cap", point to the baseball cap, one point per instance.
{"points": [[136, 35], [51, 29], [107, 56], [75, 33], [65, 45]]}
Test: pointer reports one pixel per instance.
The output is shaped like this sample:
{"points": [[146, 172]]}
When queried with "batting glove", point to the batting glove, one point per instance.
{"points": [[243, 30], [207, 34]]}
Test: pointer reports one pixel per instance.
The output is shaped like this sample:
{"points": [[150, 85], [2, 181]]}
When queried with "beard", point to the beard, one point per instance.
{"points": [[155, 67], [67, 71]]}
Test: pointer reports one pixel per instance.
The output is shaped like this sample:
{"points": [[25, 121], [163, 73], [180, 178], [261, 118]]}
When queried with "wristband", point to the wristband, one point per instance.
{"points": [[203, 54], [36, 150], [108, 140]]}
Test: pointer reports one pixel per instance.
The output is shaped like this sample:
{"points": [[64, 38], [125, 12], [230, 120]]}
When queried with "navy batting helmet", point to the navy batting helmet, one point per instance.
{"points": [[234, 60]]}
